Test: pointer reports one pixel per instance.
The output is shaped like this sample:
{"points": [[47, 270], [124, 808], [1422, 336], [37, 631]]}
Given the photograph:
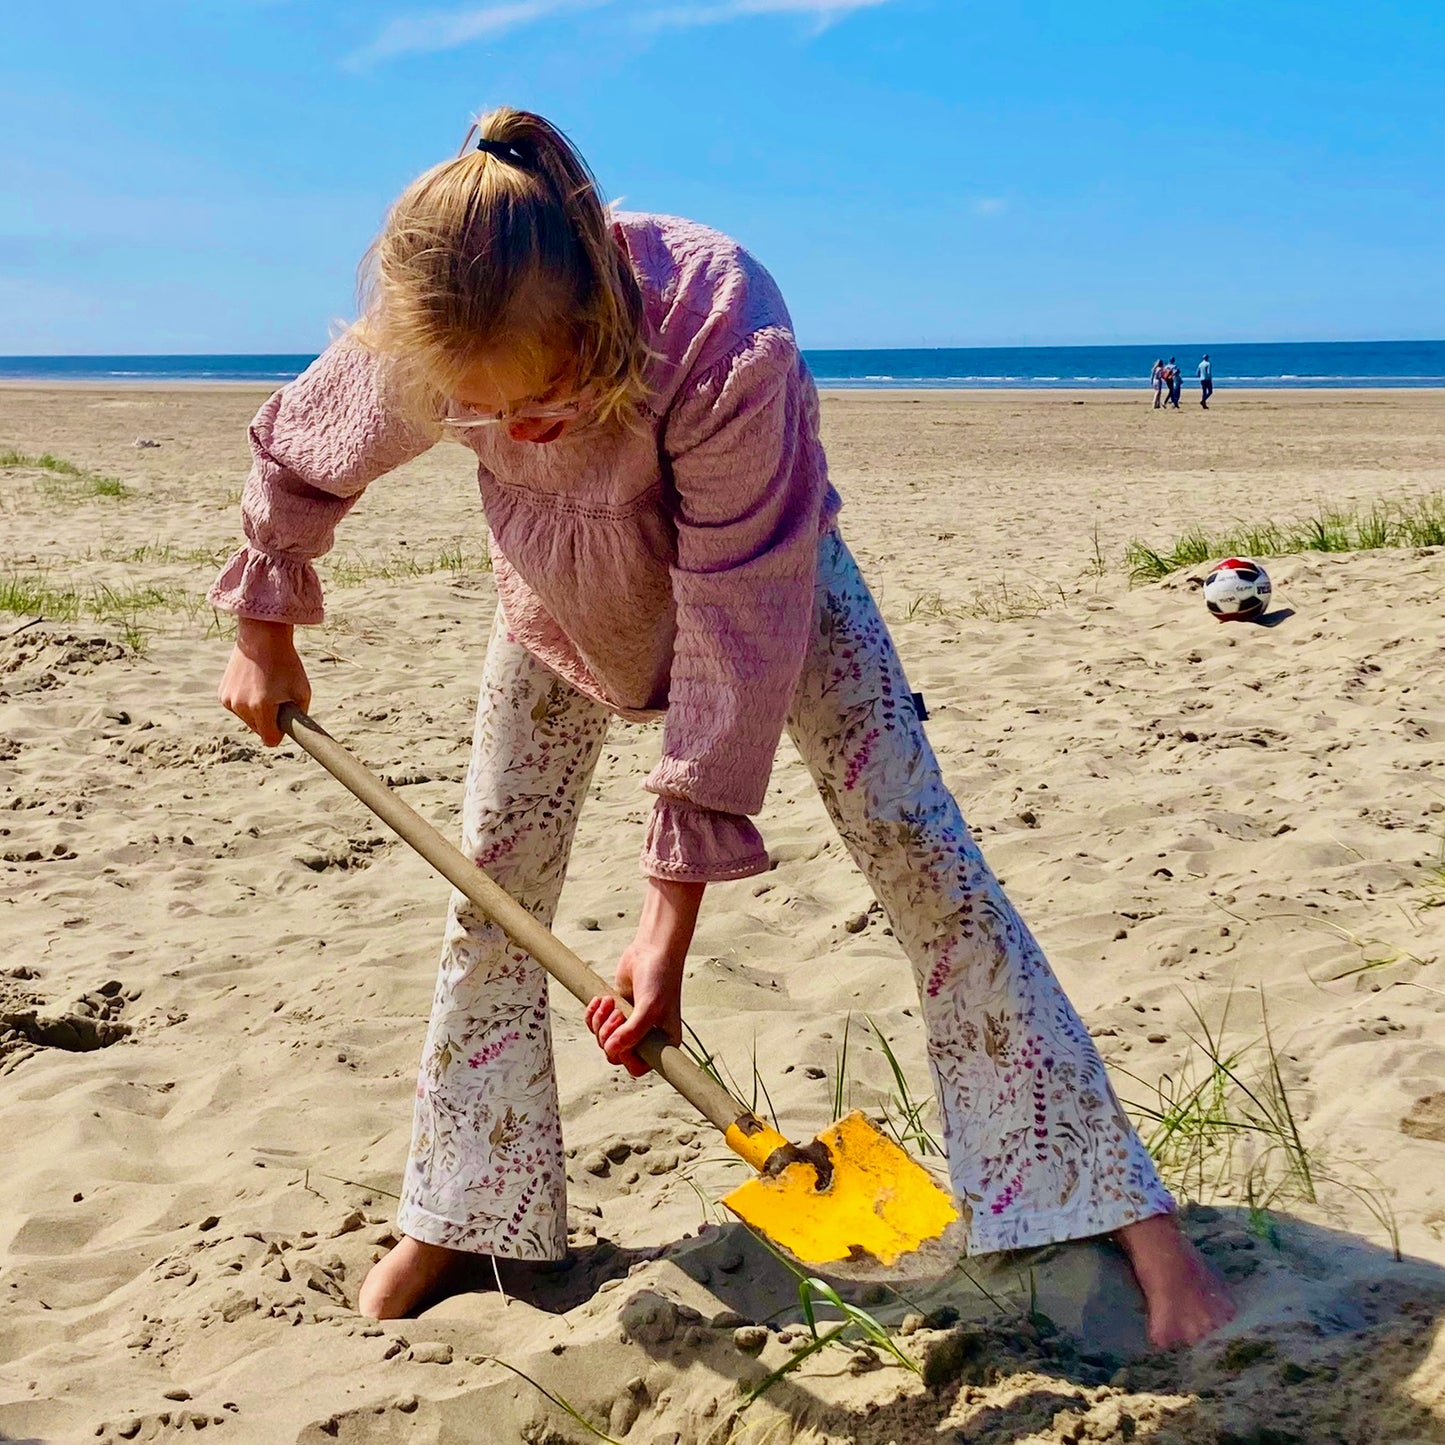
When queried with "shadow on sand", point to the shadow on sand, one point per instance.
{"points": [[1331, 1345]]}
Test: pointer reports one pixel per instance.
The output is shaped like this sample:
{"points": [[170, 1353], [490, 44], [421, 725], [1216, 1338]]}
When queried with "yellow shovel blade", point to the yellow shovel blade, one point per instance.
{"points": [[877, 1202]]}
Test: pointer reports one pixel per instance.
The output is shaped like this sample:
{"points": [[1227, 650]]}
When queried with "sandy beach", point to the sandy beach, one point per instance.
{"points": [[217, 967]]}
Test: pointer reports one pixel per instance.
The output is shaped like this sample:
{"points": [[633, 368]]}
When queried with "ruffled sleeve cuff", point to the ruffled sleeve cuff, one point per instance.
{"points": [[688, 844], [273, 589]]}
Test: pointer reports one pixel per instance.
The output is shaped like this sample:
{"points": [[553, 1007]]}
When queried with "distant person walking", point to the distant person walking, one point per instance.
{"points": [[1156, 380], [1206, 382], [1175, 380]]}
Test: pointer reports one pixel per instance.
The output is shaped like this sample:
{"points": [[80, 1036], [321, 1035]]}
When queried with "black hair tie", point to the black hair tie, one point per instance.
{"points": [[504, 151]]}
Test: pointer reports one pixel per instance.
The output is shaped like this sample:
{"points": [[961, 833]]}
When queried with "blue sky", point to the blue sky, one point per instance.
{"points": [[204, 176]]}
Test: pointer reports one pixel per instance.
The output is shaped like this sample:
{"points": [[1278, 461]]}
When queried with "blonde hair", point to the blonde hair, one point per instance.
{"points": [[512, 254]]}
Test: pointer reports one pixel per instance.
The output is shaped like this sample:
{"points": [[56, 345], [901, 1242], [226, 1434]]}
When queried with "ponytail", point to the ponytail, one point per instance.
{"points": [[508, 247]]}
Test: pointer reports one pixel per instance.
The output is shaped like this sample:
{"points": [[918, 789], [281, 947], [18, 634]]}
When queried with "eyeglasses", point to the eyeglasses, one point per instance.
{"points": [[459, 414]]}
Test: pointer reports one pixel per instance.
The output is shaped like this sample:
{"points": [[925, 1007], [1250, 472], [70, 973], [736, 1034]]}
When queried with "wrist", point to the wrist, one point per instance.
{"points": [[669, 917], [259, 635]]}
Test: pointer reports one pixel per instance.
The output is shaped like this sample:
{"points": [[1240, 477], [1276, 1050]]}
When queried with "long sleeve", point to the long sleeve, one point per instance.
{"points": [[750, 483], [315, 446]]}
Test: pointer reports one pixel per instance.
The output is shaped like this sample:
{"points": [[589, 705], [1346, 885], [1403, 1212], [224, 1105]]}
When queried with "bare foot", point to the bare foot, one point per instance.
{"points": [[1184, 1299], [407, 1274]]}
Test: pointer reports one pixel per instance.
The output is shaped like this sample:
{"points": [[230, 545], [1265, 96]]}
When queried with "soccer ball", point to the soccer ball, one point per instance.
{"points": [[1236, 590]]}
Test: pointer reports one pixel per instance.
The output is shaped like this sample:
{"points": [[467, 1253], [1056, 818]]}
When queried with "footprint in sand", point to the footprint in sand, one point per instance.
{"points": [[27, 1024], [1426, 1119], [358, 853], [56, 853], [618, 1151], [39, 661], [164, 1425], [165, 750]]}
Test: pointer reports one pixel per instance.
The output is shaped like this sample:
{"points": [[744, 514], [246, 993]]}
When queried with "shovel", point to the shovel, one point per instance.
{"points": [[851, 1198]]}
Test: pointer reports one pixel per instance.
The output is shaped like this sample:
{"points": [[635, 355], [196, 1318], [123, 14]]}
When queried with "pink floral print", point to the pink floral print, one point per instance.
{"points": [[486, 1170], [1039, 1149]]}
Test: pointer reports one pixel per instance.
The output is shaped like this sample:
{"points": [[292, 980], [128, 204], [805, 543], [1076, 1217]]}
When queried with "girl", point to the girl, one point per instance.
{"points": [[664, 543]]}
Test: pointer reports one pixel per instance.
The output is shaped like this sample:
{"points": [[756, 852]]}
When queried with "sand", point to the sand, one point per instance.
{"points": [[216, 967]]}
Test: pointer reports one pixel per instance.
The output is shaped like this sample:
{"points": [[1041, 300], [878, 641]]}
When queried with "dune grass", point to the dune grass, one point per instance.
{"points": [[713, 1066], [1000, 603], [354, 571], [560, 1401], [124, 608], [901, 1112], [811, 1290], [1225, 1126], [1433, 883], [868, 1330], [166, 554], [1224, 1099], [66, 480], [137, 609], [1415, 522]]}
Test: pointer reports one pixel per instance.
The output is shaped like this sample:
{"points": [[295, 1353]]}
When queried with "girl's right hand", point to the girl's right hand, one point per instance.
{"points": [[264, 671]]}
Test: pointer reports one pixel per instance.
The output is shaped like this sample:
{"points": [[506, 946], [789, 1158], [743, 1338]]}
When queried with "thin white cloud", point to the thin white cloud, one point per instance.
{"points": [[435, 30], [990, 206], [824, 12]]}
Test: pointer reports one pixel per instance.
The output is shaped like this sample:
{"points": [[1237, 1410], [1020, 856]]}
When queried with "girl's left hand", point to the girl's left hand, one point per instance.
{"points": [[650, 979]]}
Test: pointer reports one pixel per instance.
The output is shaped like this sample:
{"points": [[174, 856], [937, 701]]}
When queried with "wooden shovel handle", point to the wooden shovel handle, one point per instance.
{"points": [[705, 1094]]}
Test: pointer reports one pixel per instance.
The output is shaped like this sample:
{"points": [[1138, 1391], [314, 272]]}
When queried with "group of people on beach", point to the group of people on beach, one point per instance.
{"points": [[1168, 381]]}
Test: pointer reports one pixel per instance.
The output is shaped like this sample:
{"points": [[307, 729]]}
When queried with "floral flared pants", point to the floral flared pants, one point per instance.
{"points": [[1038, 1148]]}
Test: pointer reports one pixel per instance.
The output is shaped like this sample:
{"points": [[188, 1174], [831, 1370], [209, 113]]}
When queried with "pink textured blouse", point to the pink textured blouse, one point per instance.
{"points": [[666, 571]]}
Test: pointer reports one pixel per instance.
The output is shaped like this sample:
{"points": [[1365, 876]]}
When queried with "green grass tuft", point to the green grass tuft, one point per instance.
{"points": [[1416, 522], [353, 571], [810, 1289], [1000, 603], [1226, 1125], [908, 1128], [1200, 1116], [842, 1091], [67, 481], [127, 609], [166, 554], [560, 1401]]}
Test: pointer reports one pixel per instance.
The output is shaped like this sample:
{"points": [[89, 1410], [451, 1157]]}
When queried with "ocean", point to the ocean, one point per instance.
{"points": [[1293, 364]]}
